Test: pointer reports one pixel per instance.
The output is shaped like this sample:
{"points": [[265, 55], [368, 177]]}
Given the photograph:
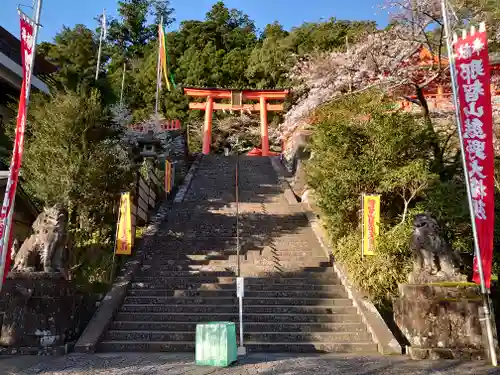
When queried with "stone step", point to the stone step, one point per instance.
{"points": [[292, 279], [187, 257], [205, 257], [329, 285], [208, 252], [182, 274], [122, 335], [249, 309], [248, 327], [179, 346], [349, 317], [184, 264], [297, 253], [295, 256], [334, 291], [262, 269], [307, 265], [248, 301], [138, 285], [305, 278], [299, 274], [229, 283], [181, 240], [185, 280], [209, 267]]}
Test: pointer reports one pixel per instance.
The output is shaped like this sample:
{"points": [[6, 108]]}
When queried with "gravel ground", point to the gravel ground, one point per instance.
{"points": [[262, 364]]}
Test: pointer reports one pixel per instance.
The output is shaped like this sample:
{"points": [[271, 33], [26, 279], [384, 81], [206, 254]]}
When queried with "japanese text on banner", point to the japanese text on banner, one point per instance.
{"points": [[473, 79], [126, 232], [371, 219]]}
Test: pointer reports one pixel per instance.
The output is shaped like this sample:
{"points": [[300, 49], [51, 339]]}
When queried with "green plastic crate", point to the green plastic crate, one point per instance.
{"points": [[216, 344]]}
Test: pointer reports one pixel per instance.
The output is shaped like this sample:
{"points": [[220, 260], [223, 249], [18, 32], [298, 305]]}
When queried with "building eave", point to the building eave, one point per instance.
{"points": [[17, 69]]}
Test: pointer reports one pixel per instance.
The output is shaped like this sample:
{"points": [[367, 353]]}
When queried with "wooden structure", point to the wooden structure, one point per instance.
{"points": [[146, 195], [236, 99], [156, 127]]}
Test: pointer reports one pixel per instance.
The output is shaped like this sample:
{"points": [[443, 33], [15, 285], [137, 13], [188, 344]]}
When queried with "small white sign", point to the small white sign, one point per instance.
{"points": [[240, 287]]}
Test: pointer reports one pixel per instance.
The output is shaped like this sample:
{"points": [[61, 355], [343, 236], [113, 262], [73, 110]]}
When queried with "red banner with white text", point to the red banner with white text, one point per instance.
{"points": [[27, 44], [6, 212], [473, 79]]}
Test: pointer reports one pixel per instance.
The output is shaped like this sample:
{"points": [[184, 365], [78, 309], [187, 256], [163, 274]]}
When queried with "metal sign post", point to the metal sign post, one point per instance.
{"points": [[240, 293]]}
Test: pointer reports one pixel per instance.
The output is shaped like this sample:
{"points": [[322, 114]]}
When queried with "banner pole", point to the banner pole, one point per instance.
{"points": [[4, 244], [38, 13], [484, 291], [100, 49], [158, 75]]}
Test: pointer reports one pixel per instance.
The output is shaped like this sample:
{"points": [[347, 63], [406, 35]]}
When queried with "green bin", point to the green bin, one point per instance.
{"points": [[216, 344]]}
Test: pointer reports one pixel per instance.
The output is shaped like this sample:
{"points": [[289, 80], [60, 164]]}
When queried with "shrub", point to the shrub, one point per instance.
{"points": [[377, 275], [72, 156], [362, 145], [359, 148]]}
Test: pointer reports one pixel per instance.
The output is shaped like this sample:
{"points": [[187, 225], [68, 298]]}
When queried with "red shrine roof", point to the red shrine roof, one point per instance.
{"points": [[427, 58]]}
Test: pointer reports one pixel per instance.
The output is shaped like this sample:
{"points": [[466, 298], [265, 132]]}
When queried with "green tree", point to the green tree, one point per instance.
{"points": [[74, 52], [359, 148], [328, 35], [132, 31], [270, 61], [72, 155]]}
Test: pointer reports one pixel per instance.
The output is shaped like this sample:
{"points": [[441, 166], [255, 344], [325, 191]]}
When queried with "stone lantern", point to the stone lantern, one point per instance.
{"points": [[150, 145]]}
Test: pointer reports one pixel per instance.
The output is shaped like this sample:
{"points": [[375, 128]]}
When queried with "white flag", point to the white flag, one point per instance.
{"points": [[104, 26]]}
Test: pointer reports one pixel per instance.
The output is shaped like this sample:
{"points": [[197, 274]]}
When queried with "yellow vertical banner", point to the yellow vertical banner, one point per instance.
{"points": [[168, 177], [124, 238], [371, 223]]}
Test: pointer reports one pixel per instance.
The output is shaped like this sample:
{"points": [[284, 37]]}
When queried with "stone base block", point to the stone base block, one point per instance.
{"points": [[41, 312], [442, 320], [35, 350], [444, 353]]}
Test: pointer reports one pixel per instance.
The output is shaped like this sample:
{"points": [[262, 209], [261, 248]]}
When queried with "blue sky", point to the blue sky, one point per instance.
{"points": [[56, 13]]}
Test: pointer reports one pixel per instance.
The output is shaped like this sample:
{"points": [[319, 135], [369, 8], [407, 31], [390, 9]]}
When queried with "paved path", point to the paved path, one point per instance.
{"points": [[261, 364]]}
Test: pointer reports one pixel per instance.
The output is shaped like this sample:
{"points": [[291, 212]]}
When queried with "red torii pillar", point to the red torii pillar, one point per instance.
{"points": [[236, 104], [207, 128], [264, 134]]}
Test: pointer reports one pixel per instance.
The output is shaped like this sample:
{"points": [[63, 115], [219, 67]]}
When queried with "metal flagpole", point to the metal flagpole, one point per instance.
{"points": [[240, 281], [123, 82], [8, 224], [484, 292], [38, 12], [100, 45], [158, 74]]}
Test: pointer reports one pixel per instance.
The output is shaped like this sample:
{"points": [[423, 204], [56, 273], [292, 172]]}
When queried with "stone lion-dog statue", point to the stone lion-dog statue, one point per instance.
{"points": [[434, 259], [46, 248]]}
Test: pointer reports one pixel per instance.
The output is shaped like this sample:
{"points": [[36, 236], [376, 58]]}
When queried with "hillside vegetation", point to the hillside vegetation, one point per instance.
{"points": [[344, 76]]}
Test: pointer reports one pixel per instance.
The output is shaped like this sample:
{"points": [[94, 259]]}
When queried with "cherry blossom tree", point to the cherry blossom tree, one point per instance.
{"points": [[386, 59], [383, 59]]}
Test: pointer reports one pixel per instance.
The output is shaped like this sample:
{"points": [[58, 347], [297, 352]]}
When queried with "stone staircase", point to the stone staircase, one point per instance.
{"points": [[294, 301]]}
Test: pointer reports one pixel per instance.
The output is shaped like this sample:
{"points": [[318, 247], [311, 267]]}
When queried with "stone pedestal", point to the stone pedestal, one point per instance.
{"points": [[442, 320], [41, 312]]}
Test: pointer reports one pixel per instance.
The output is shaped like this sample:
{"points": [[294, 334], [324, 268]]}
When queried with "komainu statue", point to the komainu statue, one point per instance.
{"points": [[46, 249], [433, 258]]}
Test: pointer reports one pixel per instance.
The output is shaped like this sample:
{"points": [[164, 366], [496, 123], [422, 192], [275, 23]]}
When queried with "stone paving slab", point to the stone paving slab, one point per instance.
{"points": [[261, 364]]}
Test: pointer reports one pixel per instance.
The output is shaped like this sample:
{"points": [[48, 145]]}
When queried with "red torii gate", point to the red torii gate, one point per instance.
{"points": [[237, 97]]}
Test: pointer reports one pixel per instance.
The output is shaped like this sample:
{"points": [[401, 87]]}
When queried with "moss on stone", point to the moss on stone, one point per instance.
{"points": [[454, 284]]}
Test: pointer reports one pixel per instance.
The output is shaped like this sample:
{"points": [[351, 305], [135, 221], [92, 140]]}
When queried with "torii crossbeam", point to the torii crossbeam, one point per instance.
{"points": [[236, 98]]}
